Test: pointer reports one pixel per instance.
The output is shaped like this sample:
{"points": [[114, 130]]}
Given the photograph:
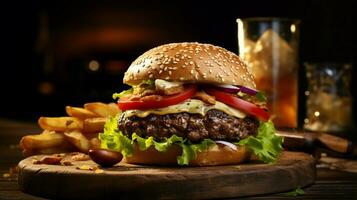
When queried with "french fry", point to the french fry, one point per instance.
{"points": [[60, 123], [80, 113], [77, 132], [49, 160], [78, 140], [94, 125], [89, 136], [48, 142], [102, 109], [48, 139], [115, 108], [94, 143]]}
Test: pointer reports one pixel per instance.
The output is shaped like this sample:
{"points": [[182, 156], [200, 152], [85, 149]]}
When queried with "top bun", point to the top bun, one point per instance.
{"points": [[191, 63]]}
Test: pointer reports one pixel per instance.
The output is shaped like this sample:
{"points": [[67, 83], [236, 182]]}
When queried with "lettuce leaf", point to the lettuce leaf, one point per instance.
{"points": [[160, 146], [266, 145], [261, 96], [149, 82], [113, 139], [189, 151], [123, 93], [297, 192], [136, 89]]}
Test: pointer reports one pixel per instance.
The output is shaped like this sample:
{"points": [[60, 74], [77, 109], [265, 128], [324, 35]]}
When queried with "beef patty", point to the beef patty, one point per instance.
{"points": [[215, 125]]}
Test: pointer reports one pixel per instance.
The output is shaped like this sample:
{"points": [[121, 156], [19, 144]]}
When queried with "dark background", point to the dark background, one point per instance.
{"points": [[46, 46]]}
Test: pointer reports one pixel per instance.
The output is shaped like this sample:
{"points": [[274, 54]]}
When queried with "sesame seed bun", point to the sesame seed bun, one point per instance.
{"points": [[215, 155], [191, 63]]}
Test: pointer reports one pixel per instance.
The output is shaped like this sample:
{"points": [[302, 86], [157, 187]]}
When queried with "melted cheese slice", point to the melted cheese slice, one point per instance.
{"points": [[193, 106]]}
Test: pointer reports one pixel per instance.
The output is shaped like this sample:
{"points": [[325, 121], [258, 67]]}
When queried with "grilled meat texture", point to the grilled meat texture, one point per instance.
{"points": [[215, 125]]}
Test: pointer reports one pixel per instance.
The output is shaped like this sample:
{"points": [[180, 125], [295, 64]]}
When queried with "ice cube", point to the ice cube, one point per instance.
{"points": [[275, 51]]}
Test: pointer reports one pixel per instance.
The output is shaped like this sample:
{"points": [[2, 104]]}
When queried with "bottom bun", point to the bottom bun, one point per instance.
{"points": [[215, 155]]}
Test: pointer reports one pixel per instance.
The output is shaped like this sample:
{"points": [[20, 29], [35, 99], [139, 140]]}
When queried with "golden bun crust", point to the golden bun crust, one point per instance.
{"points": [[215, 155], [191, 63]]}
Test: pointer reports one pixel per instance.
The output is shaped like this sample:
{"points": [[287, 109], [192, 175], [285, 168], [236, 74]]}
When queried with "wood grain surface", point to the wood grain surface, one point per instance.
{"points": [[132, 181]]}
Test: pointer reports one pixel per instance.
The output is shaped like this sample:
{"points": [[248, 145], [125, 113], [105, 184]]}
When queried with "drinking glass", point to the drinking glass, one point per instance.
{"points": [[329, 99], [269, 46]]}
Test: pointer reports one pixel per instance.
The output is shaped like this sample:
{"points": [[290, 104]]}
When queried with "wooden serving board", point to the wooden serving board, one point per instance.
{"points": [[133, 181]]}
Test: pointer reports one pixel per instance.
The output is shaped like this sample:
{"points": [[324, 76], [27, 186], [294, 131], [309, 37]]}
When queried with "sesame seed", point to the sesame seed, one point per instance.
{"points": [[182, 78], [167, 78], [191, 62], [151, 76], [165, 69], [191, 72], [210, 71], [170, 72], [160, 71]]}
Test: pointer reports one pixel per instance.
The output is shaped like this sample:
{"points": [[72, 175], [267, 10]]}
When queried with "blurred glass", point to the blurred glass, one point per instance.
{"points": [[270, 48], [329, 100]]}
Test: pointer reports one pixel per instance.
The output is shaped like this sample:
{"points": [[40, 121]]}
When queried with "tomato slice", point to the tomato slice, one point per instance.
{"points": [[125, 104], [240, 104]]}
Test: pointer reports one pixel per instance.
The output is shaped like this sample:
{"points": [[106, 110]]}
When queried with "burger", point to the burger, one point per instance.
{"points": [[191, 104]]}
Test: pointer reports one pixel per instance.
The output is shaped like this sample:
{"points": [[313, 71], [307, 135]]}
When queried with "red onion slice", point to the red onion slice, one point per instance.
{"points": [[230, 145], [248, 91], [229, 88]]}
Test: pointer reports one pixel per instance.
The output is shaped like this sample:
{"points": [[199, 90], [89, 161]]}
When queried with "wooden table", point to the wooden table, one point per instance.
{"points": [[330, 184]]}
